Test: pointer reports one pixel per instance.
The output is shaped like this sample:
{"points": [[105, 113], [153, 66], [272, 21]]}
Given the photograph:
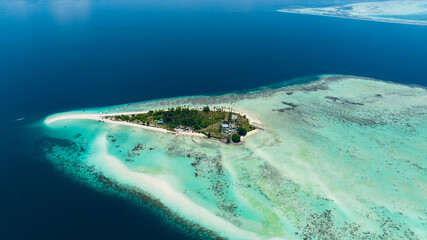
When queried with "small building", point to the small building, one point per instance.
{"points": [[234, 117], [224, 125]]}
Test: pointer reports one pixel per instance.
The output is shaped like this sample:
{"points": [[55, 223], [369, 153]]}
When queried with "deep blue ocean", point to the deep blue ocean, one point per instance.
{"points": [[62, 55]]}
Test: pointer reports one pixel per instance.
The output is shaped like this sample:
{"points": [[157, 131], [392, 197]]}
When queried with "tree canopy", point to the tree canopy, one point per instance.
{"points": [[215, 123], [235, 138], [179, 116], [241, 131]]}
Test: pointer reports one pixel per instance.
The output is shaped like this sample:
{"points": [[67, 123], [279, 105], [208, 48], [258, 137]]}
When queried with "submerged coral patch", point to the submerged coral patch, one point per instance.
{"points": [[338, 158]]}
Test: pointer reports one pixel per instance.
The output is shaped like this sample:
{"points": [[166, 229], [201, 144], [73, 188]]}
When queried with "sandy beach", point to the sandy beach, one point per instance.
{"points": [[102, 117], [336, 126]]}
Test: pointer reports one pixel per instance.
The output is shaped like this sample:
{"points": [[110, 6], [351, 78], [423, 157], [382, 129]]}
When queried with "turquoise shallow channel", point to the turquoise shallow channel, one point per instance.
{"points": [[341, 157]]}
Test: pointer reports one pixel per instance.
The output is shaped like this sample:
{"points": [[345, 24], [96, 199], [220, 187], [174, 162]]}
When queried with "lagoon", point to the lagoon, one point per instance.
{"points": [[345, 151], [99, 53]]}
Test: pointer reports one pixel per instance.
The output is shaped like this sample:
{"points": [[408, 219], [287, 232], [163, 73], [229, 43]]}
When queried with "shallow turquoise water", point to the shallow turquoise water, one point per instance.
{"points": [[420, 17], [61, 55], [346, 161]]}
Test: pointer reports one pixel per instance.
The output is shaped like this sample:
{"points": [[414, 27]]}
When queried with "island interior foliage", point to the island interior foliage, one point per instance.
{"points": [[218, 123]]}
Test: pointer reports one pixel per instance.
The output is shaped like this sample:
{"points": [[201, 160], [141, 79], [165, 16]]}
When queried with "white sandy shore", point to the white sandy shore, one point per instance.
{"points": [[174, 199], [374, 130], [102, 117], [253, 121], [250, 134]]}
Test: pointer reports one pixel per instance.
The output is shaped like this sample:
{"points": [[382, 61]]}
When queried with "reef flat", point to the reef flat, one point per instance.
{"points": [[405, 12], [341, 157]]}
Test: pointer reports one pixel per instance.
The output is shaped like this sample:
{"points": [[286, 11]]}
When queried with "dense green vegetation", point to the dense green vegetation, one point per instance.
{"points": [[235, 138], [215, 123], [241, 131]]}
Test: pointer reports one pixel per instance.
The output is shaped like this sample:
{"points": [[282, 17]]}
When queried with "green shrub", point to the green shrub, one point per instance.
{"points": [[235, 138], [241, 131]]}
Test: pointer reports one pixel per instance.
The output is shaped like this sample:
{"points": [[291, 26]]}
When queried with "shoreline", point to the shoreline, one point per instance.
{"points": [[330, 116], [91, 115], [100, 117], [286, 84]]}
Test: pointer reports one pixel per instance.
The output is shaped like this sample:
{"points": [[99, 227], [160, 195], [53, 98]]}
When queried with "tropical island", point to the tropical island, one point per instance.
{"points": [[326, 128], [217, 123]]}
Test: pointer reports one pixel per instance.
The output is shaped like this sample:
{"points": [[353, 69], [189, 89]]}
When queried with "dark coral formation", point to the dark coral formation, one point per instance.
{"points": [[210, 167]]}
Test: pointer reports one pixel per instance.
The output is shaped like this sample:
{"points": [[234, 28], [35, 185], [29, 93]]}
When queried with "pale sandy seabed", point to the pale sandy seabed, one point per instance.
{"points": [[405, 12], [339, 158]]}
